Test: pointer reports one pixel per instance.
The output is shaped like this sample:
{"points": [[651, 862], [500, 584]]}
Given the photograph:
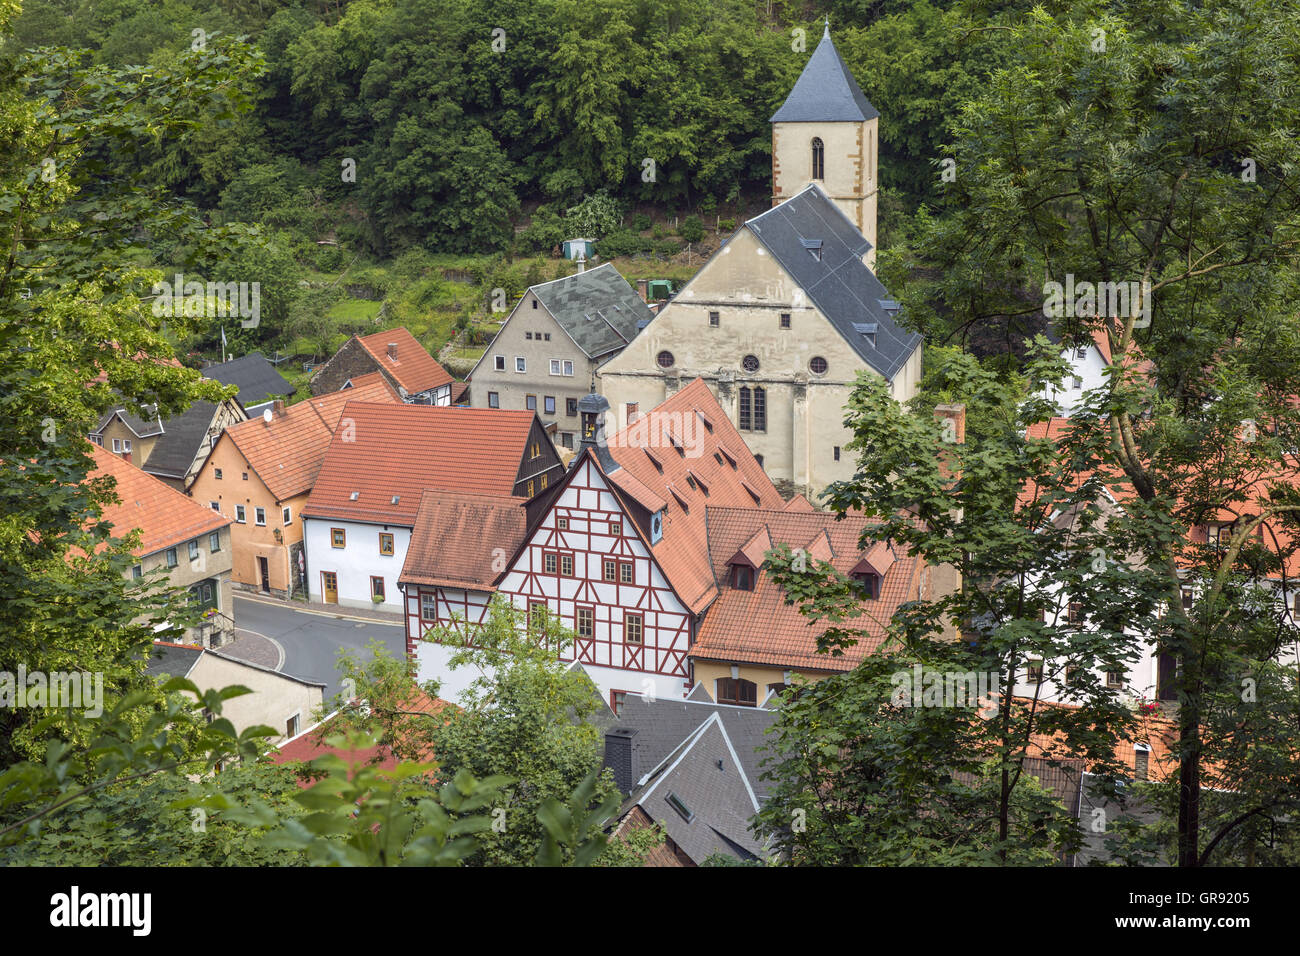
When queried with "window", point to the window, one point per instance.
{"points": [[1218, 535], [742, 577], [568, 366], [245, 475], [665, 359], [217, 473], [537, 617], [714, 319], [631, 412], [194, 550], [214, 542], [1081, 353], [870, 583], [137, 572], [777, 689], [562, 524], [259, 516], [1078, 382], [818, 158], [338, 538], [837, 452], [534, 303], [566, 439], [760, 410], [1115, 679], [1074, 615], [548, 562], [532, 490], [535, 449], [632, 629], [429, 605], [544, 480], [286, 515], [520, 364], [528, 335], [616, 699], [571, 407], [291, 726], [785, 320], [377, 588], [546, 336], [171, 557], [678, 804], [1071, 675], [1189, 597], [494, 400], [239, 514], [566, 565], [611, 569], [586, 622], [733, 690], [385, 543], [499, 363], [1141, 758], [817, 365], [548, 404], [625, 573], [616, 528], [750, 363], [555, 366], [746, 422], [1034, 672], [530, 402]]}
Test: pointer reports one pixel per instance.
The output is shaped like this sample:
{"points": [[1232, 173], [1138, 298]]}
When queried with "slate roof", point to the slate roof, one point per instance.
{"points": [[653, 473], [257, 379], [400, 450], [287, 453], [838, 283], [414, 369], [171, 660], [141, 427], [178, 445], [166, 517], [758, 626], [826, 91], [710, 757], [598, 309], [448, 543]]}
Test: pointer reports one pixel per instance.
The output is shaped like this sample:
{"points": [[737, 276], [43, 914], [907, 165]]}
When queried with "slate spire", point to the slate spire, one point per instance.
{"points": [[826, 91]]}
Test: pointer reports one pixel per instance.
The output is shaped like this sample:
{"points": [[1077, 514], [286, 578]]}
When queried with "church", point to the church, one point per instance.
{"points": [[782, 318]]}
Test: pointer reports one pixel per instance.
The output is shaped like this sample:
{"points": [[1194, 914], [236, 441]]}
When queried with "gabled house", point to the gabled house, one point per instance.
{"points": [[178, 534], [260, 474], [693, 768], [258, 381], [174, 450], [358, 521], [545, 354], [278, 700], [407, 365]]}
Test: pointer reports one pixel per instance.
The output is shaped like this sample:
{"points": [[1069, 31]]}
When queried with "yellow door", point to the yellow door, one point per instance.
{"points": [[330, 585]]}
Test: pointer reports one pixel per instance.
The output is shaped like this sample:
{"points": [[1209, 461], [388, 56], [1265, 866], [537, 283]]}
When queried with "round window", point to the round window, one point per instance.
{"points": [[818, 365], [750, 363], [665, 359]]}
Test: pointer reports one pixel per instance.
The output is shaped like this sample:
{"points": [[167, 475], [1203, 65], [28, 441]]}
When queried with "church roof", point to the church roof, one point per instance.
{"points": [[826, 91], [834, 277]]}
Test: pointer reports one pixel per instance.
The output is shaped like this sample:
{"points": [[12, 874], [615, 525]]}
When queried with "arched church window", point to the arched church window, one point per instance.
{"points": [[818, 158]]}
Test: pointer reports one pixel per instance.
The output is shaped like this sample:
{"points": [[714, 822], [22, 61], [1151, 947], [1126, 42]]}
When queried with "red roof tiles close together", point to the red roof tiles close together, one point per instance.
{"points": [[412, 367], [457, 535]]}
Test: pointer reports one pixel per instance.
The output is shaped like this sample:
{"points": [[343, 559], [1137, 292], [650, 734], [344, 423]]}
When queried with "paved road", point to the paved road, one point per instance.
{"points": [[311, 640]]}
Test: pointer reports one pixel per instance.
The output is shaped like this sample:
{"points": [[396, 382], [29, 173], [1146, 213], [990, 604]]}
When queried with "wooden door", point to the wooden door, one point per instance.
{"points": [[264, 573], [330, 586]]}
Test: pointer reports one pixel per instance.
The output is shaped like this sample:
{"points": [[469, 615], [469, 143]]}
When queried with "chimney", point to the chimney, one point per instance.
{"points": [[643, 289], [582, 263], [279, 407], [620, 757], [956, 433], [392, 350]]}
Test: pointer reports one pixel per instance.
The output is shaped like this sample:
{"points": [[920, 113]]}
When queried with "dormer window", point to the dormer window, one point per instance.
{"points": [[870, 583], [814, 247], [742, 577], [657, 527]]}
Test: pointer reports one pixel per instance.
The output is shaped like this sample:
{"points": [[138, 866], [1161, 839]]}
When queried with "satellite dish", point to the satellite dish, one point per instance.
{"points": [[266, 415]]}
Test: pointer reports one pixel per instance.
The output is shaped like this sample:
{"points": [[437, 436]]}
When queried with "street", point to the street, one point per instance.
{"points": [[311, 640]]}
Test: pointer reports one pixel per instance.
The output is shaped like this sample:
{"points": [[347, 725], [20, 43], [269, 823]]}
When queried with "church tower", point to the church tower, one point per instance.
{"points": [[826, 132]]}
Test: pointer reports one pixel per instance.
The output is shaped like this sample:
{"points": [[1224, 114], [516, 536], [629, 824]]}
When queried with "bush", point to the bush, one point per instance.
{"points": [[659, 232], [597, 215], [666, 248], [544, 233], [623, 242], [640, 222], [692, 229], [727, 225]]}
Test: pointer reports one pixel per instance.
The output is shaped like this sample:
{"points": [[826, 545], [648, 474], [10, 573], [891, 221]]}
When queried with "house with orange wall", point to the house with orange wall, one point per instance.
{"points": [[260, 474]]}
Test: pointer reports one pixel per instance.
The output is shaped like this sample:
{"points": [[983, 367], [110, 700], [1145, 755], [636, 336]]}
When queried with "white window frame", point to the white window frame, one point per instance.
{"points": [[555, 366], [287, 514], [241, 515], [521, 364], [498, 363], [568, 368], [259, 516]]}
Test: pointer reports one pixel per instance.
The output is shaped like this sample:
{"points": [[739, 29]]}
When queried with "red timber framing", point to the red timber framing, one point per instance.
{"points": [[538, 576], [430, 607]]}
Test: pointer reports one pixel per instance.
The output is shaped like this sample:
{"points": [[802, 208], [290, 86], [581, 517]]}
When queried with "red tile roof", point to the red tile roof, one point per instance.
{"points": [[165, 517], [414, 368], [398, 451], [456, 536], [758, 626], [702, 473], [287, 453]]}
